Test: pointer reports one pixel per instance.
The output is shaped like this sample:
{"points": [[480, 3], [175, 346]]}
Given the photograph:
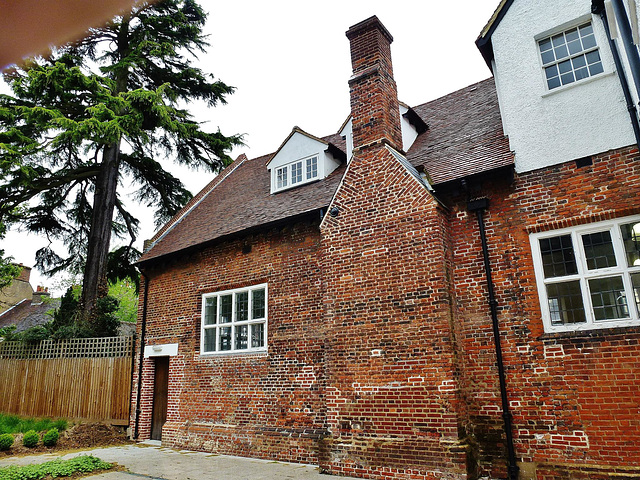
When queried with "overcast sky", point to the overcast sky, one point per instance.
{"points": [[289, 62]]}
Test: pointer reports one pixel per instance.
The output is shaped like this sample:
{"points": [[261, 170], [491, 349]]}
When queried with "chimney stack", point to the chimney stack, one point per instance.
{"points": [[375, 111]]}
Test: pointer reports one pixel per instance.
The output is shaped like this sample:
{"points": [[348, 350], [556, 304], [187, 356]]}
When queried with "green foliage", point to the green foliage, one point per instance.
{"points": [[124, 88], [6, 441], [30, 439], [17, 424], [51, 437], [55, 468], [8, 333], [125, 292]]}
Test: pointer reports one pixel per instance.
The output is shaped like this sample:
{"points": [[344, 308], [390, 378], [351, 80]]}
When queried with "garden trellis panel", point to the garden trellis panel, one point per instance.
{"points": [[84, 378]]}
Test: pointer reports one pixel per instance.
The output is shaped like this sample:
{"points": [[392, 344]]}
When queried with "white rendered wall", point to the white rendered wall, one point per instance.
{"points": [[548, 127]]}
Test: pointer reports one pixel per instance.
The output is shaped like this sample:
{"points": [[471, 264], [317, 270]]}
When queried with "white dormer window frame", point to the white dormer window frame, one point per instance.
{"points": [[304, 170]]}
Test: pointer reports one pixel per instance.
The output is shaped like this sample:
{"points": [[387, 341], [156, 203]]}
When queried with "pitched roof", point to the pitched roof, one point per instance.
{"points": [[465, 135], [27, 314], [464, 138], [242, 201]]}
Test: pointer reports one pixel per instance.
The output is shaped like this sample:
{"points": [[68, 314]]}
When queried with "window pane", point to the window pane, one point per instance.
{"points": [[551, 71], [635, 282], [553, 83], [608, 298], [226, 302], [296, 173], [561, 52], [257, 306], [545, 45], [595, 68], [565, 303], [574, 47], [558, 258], [579, 62], [257, 335], [598, 250], [242, 306], [588, 42], [225, 339], [572, 35], [586, 29], [631, 240], [210, 340], [210, 310], [282, 177], [312, 167], [242, 337]]}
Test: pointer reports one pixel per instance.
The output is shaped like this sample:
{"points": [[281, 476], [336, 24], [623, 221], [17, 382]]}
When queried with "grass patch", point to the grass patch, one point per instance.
{"points": [[16, 424], [54, 468]]}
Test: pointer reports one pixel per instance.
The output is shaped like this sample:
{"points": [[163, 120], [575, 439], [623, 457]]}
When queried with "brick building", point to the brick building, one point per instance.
{"points": [[338, 302]]}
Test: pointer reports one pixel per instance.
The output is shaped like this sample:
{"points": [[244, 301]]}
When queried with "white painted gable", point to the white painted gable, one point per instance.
{"points": [[548, 125], [301, 159]]}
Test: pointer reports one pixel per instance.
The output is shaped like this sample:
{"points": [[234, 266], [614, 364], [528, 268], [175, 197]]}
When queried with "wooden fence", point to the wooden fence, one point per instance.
{"points": [[83, 378]]}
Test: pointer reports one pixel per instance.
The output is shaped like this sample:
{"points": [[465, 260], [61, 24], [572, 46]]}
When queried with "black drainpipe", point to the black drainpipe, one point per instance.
{"points": [[597, 7], [627, 40], [141, 358], [479, 206]]}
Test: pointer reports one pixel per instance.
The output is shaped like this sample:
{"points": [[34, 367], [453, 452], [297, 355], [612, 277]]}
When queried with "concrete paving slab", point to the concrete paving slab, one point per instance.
{"points": [[152, 462]]}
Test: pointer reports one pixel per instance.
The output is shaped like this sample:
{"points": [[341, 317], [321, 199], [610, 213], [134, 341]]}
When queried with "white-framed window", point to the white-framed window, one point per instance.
{"points": [[570, 56], [234, 321], [589, 276], [298, 172]]}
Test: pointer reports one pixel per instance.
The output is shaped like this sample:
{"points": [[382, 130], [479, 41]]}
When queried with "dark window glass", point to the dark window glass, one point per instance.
{"points": [[242, 306], [242, 337], [565, 303], [631, 239], [257, 335], [258, 305], [209, 339], [210, 310], [225, 339], [558, 257], [608, 298], [598, 250], [226, 305]]}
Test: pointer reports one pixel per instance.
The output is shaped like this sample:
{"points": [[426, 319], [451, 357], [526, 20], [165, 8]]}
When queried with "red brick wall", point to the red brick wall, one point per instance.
{"points": [[392, 389], [575, 398], [260, 405], [375, 111]]}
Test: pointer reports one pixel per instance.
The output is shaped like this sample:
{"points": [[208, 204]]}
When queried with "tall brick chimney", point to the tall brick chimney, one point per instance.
{"points": [[375, 111]]}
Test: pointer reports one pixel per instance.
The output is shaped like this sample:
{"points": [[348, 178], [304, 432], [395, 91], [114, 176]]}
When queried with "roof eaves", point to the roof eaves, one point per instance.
{"points": [[483, 42]]}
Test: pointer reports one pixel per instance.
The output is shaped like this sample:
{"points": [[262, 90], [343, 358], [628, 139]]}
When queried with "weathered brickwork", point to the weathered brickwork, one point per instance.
{"points": [[575, 398], [392, 392], [261, 405]]}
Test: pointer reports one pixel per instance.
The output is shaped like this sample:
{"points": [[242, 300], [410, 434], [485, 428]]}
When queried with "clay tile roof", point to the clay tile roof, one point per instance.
{"points": [[464, 138], [241, 201], [465, 135]]}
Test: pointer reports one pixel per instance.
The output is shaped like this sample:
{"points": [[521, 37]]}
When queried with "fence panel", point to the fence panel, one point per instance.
{"points": [[88, 378]]}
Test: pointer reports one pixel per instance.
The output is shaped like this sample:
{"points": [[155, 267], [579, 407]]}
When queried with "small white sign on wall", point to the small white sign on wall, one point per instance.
{"points": [[166, 350]]}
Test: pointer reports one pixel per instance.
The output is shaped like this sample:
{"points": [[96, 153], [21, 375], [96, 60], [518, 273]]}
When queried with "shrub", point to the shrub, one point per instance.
{"points": [[51, 437], [6, 440], [30, 439]]}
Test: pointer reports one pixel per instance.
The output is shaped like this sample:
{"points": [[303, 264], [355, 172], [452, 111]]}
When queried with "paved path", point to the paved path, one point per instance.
{"points": [[151, 462]]}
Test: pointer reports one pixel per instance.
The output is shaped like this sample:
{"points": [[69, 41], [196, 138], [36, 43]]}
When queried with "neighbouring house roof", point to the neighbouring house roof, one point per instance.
{"points": [[26, 314], [465, 135], [464, 138]]}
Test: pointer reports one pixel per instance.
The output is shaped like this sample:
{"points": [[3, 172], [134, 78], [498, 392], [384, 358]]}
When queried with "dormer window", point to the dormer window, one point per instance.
{"points": [[296, 173]]}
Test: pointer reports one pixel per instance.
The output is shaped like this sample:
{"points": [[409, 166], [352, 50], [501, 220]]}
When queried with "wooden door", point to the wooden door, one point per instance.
{"points": [[160, 397]]}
